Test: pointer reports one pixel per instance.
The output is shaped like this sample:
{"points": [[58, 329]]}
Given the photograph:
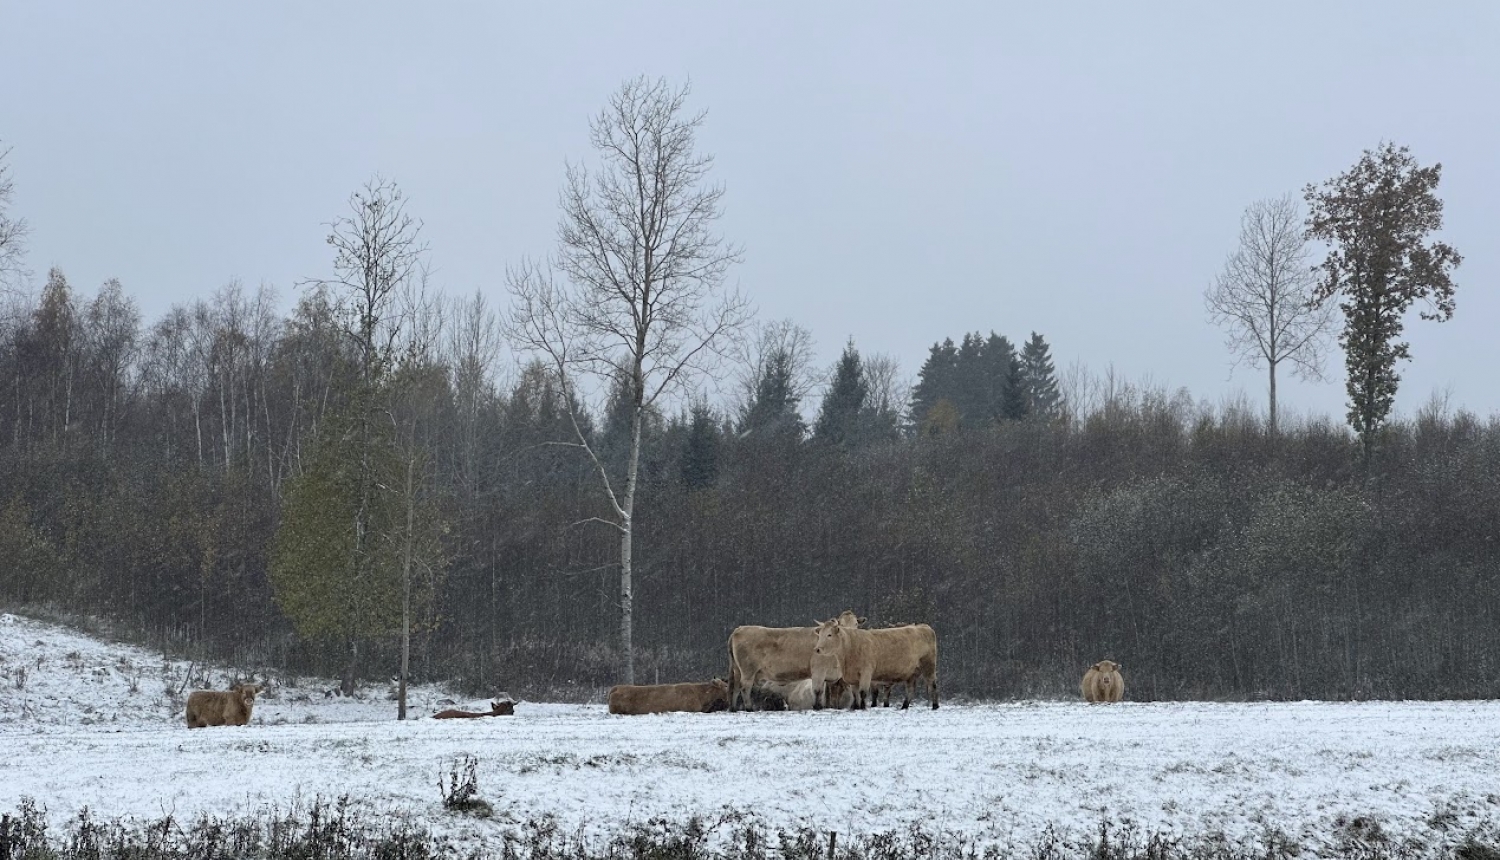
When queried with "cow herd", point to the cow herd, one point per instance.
{"points": [[837, 663]]}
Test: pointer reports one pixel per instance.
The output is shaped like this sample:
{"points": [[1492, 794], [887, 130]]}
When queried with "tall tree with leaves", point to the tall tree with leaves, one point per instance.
{"points": [[1376, 218], [378, 252], [643, 296], [1038, 379], [1264, 296]]}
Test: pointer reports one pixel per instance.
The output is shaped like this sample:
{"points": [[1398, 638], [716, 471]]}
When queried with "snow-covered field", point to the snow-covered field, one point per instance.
{"points": [[90, 724]]}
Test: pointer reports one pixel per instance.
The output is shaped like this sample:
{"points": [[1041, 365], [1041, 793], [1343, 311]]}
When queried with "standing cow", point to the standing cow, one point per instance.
{"points": [[221, 708], [891, 655], [1103, 683], [781, 655]]}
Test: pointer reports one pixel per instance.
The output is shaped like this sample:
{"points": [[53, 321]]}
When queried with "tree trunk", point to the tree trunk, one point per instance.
{"points": [[405, 600], [627, 529], [1272, 366], [346, 687]]}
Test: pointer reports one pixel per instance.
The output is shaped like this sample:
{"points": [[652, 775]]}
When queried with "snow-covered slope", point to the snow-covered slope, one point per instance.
{"points": [[74, 734]]}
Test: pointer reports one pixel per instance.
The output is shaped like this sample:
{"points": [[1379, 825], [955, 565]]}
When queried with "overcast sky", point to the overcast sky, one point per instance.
{"points": [[897, 173]]}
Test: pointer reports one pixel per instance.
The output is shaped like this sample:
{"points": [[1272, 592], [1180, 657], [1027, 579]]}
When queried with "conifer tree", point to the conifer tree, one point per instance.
{"points": [[773, 413], [937, 380], [699, 466], [1038, 378], [840, 417]]}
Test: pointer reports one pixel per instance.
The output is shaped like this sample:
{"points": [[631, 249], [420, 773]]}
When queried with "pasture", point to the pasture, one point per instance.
{"points": [[72, 734]]}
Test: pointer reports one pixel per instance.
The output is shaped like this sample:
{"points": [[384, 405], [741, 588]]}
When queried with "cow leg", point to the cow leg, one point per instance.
{"points": [[932, 687]]}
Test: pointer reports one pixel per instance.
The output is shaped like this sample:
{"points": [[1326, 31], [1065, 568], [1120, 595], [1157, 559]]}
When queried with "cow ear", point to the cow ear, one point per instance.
{"points": [[863, 619]]}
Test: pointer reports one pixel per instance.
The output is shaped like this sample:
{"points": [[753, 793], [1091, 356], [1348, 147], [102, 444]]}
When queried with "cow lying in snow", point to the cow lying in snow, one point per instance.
{"points": [[497, 709], [800, 696], [221, 708], [1103, 683], [661, 698]]}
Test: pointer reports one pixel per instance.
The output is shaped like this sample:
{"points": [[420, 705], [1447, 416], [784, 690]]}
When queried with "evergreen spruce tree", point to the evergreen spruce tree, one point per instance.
{"points": [[1014, 404], [840, 417], [699, 464], [937, 380], [773, 413], [1002, 375], [976, 393], [1039, 379]]}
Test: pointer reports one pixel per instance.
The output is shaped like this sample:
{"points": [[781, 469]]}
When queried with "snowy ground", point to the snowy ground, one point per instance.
{"points": [[90, 724]]}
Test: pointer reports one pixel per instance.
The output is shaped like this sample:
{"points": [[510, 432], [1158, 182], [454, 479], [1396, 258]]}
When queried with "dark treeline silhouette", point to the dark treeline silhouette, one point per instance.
{"points": [[143, 470]]}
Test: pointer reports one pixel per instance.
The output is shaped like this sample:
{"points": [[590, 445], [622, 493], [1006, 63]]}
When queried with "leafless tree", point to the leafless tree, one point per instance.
{"points": [[642, 295], [1264, 297], [772, 340], [890, 390], [378, 252], [12, 230]]}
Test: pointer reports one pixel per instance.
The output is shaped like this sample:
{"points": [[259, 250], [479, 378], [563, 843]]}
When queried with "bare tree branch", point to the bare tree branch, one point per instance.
{"points": [[1264, 297], [13, 231], [642, 296]]}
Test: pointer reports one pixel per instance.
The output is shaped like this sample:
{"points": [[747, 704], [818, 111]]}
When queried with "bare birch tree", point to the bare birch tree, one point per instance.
{"points": [[1264, 297], [641, 296], [12, 230]]}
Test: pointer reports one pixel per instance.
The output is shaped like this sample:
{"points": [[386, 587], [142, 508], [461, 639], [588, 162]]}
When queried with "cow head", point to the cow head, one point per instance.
{"points": [[1107, 670], [720, 699], [830, 637], [847, 618], [247, 693]]}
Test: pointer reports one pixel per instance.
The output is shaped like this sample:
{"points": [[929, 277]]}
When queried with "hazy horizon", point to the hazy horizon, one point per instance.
{"points": [[895, 175]]}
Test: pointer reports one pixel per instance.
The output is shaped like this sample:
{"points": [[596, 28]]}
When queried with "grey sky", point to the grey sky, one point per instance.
{"points": [[897, 173]]}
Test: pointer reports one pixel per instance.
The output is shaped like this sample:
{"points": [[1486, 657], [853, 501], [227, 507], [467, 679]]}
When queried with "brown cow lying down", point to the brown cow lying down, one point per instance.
{"points": [[660, 698], [221, 708], [497, 709], [1103, 683]]}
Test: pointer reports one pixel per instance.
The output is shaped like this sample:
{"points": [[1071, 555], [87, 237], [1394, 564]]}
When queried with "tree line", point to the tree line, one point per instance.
{"points": [[361, 487]]}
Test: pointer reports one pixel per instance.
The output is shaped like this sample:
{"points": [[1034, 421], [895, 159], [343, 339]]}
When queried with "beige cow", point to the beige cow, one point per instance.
{"points": [[781, 655], [700, 698], [800, 696], [891, 655], [1103, 683], [230, 707]]}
